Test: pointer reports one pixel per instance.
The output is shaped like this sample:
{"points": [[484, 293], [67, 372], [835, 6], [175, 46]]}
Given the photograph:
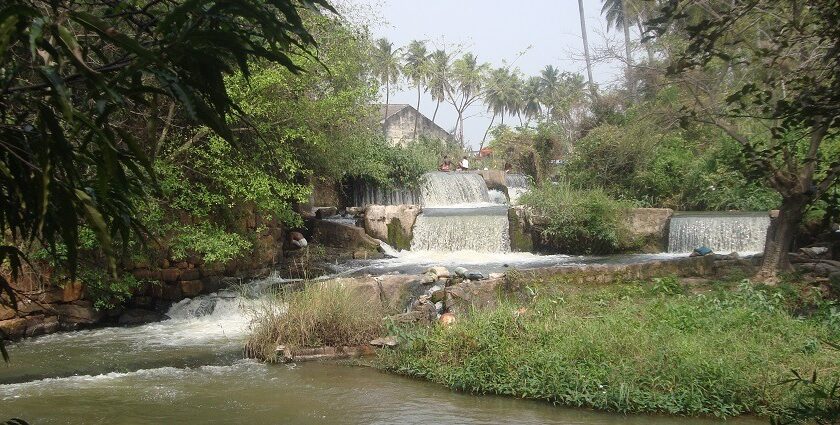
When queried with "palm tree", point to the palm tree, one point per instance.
{"points": [[531, 97], [416, 68], [550, 82], [586, 47], [497, 95], [467, 77], [616, 13], [438, 81], [387, 67], [516, 105]]}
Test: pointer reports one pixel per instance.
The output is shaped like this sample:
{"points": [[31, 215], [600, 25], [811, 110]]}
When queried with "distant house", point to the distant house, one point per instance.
{"points": [[399, 125]]}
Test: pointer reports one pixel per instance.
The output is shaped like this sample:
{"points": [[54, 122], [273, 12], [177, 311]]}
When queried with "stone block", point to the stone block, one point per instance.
{"points": [[136, 316], [73, 291], [392, 223], [190, 274], [191, 288], [170, 274], [78, 312], [171, 292]]}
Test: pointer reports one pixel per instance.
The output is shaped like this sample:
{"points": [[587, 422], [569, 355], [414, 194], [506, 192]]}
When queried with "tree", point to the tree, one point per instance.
{"points": [[497, 95], [387, 68], [616, 13], [438, 82], [74, 76], [532, 97], [465, 89], [416, 69], [586, 48], [767, 74]]}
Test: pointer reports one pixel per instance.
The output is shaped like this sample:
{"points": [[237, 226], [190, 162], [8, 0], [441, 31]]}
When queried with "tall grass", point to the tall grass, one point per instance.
{"points": [[324, 313], [629, 348]]}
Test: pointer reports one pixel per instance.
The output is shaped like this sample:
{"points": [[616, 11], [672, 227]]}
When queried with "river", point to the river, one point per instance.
{"points": [[189, 369]]}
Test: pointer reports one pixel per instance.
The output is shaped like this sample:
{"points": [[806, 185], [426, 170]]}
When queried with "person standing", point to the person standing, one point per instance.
{"points": [[465, 163]]}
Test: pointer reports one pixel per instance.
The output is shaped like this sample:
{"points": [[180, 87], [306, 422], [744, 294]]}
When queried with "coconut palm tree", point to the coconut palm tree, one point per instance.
{"points": [[468, 77], [550, 82], [532, 97], [586, 48], [615, 11], [416, 69], [387, 67], [438, 81], [496, 96]]}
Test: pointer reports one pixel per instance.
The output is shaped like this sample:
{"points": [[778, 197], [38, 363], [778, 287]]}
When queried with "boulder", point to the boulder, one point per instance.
{"points": [[350, 238], [650, 227], [40, 325], [439, 271], [78, 312], [6, 312], [814, 251], [73, 291], [138, 316], [468, 295], [13, 328], [397, 291], [392, 223], [446, 319], [325, 212]]}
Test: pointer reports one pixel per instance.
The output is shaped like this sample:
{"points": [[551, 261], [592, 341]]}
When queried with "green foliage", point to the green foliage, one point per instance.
{"points": [[580, 221], [634, 347], [214, 245], [692, 169]]}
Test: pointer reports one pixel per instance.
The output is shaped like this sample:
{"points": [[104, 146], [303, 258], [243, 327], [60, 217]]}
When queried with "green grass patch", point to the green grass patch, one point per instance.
{"points": [[630, 348]]}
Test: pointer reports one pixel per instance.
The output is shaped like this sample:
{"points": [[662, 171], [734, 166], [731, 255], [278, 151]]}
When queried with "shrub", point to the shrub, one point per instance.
{"points": [[324, 313], [581, 221]]}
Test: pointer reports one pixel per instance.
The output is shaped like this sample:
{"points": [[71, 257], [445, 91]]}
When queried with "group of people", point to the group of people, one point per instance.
{"points": [[446, 165]]}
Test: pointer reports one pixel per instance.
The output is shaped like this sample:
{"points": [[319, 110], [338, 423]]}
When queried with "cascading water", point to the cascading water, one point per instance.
{"points": [[458, 216], [453, 189], [517, 185], [722, 232], [483, 229], [367, 194]]}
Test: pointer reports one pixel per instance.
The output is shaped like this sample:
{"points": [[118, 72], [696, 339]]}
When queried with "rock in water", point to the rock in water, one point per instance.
{"points": [[814, 251], [475, 276], [461, 272], [439, 271]]}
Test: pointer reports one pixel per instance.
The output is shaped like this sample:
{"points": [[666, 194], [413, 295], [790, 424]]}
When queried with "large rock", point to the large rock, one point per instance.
{"points": [[468, 295], [78, 312], [367, 288], [495, 179], [350, 238], [397, 291], [392, 223], [6, 312], [13, 328]]}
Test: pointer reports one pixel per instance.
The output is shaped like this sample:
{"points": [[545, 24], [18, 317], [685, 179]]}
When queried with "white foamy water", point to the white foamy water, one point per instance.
{"points": [[442, 189], [723, 233]]}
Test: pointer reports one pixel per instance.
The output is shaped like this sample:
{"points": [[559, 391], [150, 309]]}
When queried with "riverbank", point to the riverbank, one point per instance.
{"points": [[708, 348]]}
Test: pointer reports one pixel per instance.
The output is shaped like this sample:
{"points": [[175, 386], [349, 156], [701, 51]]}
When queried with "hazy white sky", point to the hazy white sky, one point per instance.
{"points": [[547, 31]]}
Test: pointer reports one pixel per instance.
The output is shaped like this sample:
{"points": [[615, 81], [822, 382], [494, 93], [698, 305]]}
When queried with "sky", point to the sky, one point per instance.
{"points": [[528, 33]]}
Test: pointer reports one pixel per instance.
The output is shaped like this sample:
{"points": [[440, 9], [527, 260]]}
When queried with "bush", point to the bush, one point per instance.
{"points": [[581, 221], [325, 313], [628, 348]]}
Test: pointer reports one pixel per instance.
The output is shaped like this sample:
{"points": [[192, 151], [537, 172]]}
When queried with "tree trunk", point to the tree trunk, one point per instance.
{"points": [[387, 101], [417, 117], [484, 139], [586, 47], [436, 109], [780, 238], [631, 84]]}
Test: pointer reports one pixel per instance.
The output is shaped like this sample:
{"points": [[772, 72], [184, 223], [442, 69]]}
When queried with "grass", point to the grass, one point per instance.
{"points": [[320, 314], [638, 347]]}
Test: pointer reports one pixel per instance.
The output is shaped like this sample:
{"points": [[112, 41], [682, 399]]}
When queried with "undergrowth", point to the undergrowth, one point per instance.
{"points": [[638, 347]]}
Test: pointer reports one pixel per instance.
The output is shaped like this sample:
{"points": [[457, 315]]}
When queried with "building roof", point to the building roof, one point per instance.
{"points": [[393, 109]]}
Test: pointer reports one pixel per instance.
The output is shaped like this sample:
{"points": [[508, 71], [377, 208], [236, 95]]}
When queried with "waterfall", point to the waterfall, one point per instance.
{"points": [[452, 189], [367, 194], [722, 232], [482, 229], [517, 185]]}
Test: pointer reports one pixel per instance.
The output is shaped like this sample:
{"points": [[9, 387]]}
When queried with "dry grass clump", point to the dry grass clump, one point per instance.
{"points": [[320, 314]]}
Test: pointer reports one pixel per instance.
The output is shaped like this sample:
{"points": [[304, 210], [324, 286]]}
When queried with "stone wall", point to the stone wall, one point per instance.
{"points": [[393, 224], [650, 225]]}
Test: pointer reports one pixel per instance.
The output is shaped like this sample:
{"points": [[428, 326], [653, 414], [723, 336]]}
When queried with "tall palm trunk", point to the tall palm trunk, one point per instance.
{"points": [[436, 109], [387, 104], [586, 47], [486, 132], [417, 117], [631, 84]]}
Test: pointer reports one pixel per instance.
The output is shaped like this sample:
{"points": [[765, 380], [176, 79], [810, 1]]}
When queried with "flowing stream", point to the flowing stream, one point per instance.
{"points": [[189, 369]]}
